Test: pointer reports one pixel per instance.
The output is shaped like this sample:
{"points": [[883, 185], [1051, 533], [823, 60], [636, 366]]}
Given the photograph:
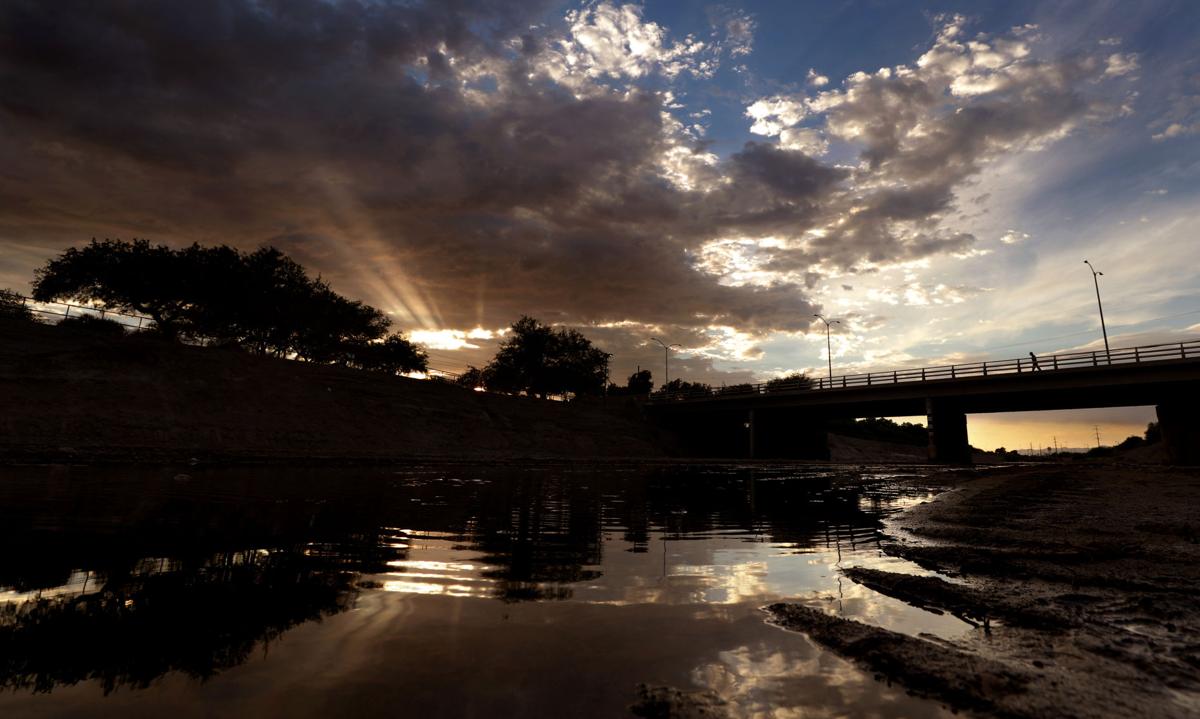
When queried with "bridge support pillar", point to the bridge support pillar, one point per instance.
{"points": [[750, 429], [947, 425], [1179, 422]]}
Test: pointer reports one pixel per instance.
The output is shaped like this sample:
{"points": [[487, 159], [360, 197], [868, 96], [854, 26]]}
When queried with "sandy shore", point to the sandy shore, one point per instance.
{"points": [[1085, 578]]}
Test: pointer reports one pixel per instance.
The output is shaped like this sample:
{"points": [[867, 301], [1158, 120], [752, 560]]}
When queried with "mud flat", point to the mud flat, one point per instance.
{"points": [[1082, 579]]}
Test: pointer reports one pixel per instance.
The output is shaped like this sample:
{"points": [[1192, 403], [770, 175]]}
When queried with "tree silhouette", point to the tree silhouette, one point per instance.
{"points": [[640, 382], [541, 360], [794, 381], [261, 301], [393, 355], [471, 378], [93, 325], [129, 276], [12, 306], [683, 387]]}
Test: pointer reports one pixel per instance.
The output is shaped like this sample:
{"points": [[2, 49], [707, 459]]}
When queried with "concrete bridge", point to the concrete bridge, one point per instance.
{"points": [[781, 420]]}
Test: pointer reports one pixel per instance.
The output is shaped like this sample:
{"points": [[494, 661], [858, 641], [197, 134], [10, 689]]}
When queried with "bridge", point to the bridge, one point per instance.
{"points": [[778, 419]]}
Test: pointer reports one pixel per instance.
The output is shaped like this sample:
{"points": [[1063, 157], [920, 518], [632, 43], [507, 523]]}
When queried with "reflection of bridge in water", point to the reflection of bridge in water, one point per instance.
{"points": [[777, 420]]}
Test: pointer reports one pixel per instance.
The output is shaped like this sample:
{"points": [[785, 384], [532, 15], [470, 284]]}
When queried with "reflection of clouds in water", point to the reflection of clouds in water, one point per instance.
{"points": [[719, 570], [656, 574], [762, 681], [440, 569]]}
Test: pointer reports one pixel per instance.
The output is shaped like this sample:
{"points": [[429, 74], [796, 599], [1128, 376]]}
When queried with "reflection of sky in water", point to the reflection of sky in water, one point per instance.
{"points": [[712, 568], [606, 581]]}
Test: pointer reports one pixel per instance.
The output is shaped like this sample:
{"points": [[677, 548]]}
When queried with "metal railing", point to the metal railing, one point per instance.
{"points": [[1047, 363], [63, 310]]}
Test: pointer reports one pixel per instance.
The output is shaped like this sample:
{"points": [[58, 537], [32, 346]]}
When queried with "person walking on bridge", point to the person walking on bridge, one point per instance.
{"points": [[1033, 359]]}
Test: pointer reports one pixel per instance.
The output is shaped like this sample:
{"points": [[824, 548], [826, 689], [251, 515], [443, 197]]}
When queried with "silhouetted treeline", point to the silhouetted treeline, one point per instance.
{"points": [[12, 306], [639, 383], [540, 360], [882, 429], [260, 301], [797, 381]]}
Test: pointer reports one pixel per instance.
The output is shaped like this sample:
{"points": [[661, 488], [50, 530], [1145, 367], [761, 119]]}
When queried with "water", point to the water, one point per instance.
{"points": [[450, 591]]}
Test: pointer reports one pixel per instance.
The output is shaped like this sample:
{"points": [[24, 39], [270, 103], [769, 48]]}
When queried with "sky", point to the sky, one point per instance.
{"points": [[711, 174]]}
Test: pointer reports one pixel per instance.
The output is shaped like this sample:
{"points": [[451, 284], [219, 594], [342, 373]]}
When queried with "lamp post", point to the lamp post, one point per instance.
{"points": [[828, 347], [1096, 281], [666, 360]]}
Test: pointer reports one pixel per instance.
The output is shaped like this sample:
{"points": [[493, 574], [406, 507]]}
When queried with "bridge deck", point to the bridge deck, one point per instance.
{"points": [[1123, 377]]}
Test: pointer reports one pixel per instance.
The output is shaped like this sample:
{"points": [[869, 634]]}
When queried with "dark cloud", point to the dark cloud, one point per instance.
{"points": [[442, 161]]}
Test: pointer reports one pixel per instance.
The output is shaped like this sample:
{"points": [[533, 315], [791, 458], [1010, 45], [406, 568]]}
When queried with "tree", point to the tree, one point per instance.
{"points": [[262, 301], [93, 325], [12, 306], [740, 388], [471, 378], [793, 381], [882, 429], [575, 365], [1131, 442], [1153, 433], [640, 382], [539, 360], [129, 276], [683, 388], [393, 355]]}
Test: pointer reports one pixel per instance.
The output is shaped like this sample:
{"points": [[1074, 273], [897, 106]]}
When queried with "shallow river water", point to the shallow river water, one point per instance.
{"points": [[440, 591]]}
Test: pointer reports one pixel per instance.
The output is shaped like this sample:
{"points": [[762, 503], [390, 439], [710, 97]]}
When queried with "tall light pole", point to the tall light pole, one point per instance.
{"points": [[1096, 280], [828, 347], [666, 360]]}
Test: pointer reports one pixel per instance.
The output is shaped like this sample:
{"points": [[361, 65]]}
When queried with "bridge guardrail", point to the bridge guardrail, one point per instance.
{"points": [[1189, 349]]}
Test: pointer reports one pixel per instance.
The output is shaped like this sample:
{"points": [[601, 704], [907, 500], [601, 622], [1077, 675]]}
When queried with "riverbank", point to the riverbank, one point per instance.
{"points": [[73, 396], [1084, 579], [69, 396]]}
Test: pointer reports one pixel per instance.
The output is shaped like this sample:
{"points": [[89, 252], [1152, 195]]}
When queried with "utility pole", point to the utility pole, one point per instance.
{"points": [[828, 348], [1096, 281], [1097, 428]]}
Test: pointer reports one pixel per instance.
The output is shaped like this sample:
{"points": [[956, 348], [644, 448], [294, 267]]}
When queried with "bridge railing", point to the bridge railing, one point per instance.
{"points": [[1046, 363]]}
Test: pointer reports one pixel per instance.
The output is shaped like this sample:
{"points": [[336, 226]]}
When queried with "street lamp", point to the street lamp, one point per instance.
{"points": [[1103, 329], [828, 348], [666, 360]]}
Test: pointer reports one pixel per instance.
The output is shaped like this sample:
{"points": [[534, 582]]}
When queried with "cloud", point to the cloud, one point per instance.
{"points": [[772, 114], [460, 164], [1176, 129], [1012, 237], [1119, 64], [614, 41]]}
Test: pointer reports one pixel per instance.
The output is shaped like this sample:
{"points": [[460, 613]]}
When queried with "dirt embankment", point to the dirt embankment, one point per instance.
{"points": [[71, 396], [1083, 581]]}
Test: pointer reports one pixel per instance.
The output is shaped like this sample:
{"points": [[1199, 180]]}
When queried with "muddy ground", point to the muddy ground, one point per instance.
{"points": [[1085, 577]]}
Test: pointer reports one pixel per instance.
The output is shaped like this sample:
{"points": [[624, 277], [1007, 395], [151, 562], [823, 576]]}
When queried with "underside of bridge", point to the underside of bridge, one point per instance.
{"points": [[793, 425], [750, 433]]}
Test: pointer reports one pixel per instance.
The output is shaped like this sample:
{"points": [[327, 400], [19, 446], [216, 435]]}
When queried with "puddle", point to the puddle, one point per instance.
{"points": [[464, 592]]}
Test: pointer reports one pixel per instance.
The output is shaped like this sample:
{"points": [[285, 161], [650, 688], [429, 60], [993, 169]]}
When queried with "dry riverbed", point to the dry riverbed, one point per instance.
{"points": [[1085, 578]]}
